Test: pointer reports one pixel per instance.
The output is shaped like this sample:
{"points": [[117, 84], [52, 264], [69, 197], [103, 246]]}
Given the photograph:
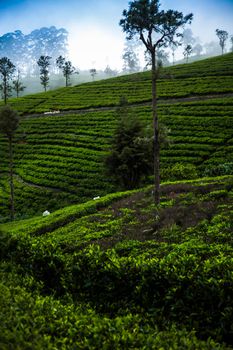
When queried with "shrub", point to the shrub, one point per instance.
{"points": [[218, 170], [179, 172], [130, 157]]}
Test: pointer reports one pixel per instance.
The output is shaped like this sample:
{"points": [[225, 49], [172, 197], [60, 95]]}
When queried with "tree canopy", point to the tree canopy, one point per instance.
{"points": [[9, 121], [155, 28], [130, 157], [44, 63], [67, 68], [223, 36], [187, 52], [7, 69]]}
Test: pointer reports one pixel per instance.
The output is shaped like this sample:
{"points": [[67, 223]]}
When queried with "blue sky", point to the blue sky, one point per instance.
{"points": [[95, 36]]}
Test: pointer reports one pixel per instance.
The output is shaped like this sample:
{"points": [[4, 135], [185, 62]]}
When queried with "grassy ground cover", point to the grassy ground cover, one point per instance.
{"points": [[121, 273]]}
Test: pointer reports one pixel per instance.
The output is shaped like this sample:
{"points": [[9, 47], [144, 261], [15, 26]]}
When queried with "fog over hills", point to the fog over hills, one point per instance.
{"points": [[95, 37]]}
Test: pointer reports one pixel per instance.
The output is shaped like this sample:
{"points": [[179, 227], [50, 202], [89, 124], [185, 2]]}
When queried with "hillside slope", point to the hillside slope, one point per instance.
{"points": [[120, 273], [59, 158]]}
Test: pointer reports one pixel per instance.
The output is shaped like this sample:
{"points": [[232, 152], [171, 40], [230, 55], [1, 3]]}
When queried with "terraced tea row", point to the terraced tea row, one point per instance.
{"points": [[109, 92], [217, 66], [65, 154], [105, 273], [174, 82]]}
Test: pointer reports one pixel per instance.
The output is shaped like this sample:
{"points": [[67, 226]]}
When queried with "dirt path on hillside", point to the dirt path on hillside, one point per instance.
{"points": [[31, 184], [161, 101]]}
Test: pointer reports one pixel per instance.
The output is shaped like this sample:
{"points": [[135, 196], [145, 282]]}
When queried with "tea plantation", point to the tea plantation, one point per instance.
{"points": [[119, 272], [59, 158]]}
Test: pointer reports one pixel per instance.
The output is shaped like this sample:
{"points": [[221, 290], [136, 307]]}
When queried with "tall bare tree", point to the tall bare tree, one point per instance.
{"points": [[155, 28], [9, 121]]}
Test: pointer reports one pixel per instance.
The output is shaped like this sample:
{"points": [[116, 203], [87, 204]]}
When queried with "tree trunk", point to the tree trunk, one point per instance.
{"points": [[5, 89], [66, 80], [11, 179], [156, 130]]}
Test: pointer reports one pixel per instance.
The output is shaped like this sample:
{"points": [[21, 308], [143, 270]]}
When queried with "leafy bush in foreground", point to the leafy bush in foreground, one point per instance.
{"points": [[45, 323]]}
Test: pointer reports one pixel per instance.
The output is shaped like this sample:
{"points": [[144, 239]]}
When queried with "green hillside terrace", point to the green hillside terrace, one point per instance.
{"points": [[120, 272], [210, 76], [109, 269], [59, 158]]}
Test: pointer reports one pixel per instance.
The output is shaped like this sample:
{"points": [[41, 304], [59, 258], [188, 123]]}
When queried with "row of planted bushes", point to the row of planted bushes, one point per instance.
{"points": [[67, 152], [59, 325], [110, 95], [187, 284], [136, 87], [171, 292]]}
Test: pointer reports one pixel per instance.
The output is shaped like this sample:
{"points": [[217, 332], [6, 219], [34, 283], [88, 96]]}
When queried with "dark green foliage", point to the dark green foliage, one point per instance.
{"points": [[219, 169], [173, 290], [9, 121], [46, 323], [7, 69], [179, 171], [130, 157], [146, 16], [59, 159]]}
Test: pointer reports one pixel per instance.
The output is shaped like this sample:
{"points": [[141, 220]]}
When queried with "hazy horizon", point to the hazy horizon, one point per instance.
{"points": [[95, 37]]}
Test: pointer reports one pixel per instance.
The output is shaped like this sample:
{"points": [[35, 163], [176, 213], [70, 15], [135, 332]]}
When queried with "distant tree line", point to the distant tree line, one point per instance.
{"points": [[191, 46], [24, 50], [8, 69]]}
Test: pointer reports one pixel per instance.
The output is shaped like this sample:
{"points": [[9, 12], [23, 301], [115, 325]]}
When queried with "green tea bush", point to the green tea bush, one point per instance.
{"points": [[218, 170], [179, 171], [183, 286], [29, 321], [173, 291]]}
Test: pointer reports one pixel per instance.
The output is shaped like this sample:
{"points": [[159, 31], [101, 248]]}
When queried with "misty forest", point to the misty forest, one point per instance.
{"points": [[116, 189]]}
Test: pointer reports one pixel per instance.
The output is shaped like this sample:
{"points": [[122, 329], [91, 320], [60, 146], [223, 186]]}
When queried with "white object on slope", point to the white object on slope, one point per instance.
{"points": [[46, 213]]}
